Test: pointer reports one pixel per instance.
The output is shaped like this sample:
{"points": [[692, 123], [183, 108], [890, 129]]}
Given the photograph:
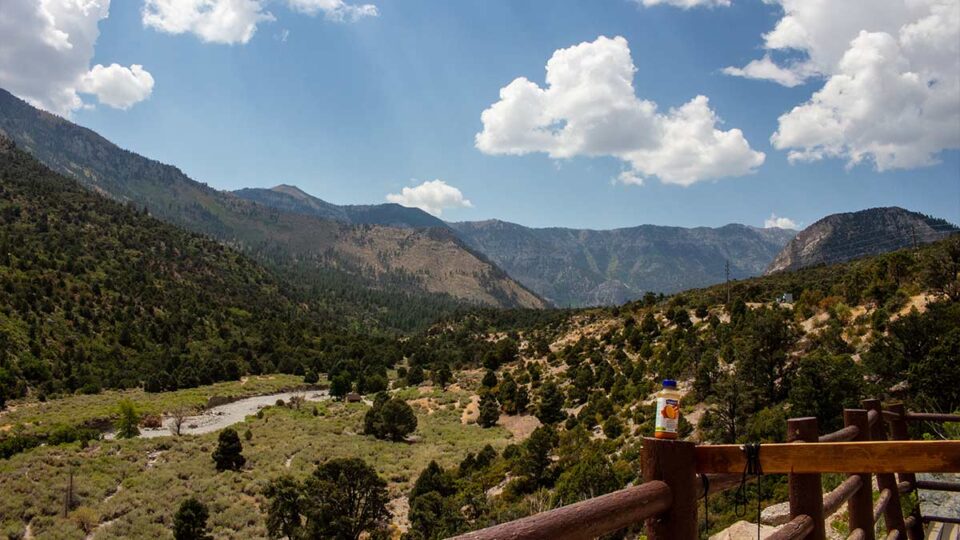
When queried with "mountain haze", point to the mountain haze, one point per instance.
{"points": [[371, 256], [574, 267], [843, 237]]}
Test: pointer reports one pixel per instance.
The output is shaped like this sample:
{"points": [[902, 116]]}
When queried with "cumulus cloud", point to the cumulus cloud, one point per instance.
{"points": [[767, 69], [118, 86], [589, 108], [45, 56], [213, 21], [433, 196], [780, 222], [685, 4], [891, 80], [235, 21]]}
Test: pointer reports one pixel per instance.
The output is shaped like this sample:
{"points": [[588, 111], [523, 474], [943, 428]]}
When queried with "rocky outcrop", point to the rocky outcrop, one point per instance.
{"points": [[843, 237]]}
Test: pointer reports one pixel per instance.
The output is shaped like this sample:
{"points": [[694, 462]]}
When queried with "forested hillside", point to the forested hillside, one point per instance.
{"points": [[357, 261], [886, 326], [98, 294]]}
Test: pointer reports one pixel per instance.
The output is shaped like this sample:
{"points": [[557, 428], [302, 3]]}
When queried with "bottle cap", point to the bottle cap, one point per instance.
{"points": [[669, 383]]}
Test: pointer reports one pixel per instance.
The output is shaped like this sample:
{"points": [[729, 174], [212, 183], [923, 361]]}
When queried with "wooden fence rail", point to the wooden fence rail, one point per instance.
{"points": [[676, 473]]}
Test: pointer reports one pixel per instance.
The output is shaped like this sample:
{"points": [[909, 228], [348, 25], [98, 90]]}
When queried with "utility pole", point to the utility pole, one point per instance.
{"points": [[68, 496], [726, 270]]}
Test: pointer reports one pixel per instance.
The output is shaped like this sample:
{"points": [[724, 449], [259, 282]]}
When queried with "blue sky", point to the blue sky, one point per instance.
{"points": [[353, 110]]}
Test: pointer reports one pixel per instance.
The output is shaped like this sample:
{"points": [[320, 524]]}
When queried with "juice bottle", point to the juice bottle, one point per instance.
{"points": [[668, 410]]}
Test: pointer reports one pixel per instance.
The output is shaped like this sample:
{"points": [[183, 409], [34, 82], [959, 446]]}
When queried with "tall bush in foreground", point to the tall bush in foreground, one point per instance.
{"points": [[190, 521], [341, 500]]}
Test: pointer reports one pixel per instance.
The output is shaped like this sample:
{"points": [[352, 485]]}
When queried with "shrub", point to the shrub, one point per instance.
{"points": [[228, 454], [86, 519], [190, 521], [126, 425], [391, 419]]}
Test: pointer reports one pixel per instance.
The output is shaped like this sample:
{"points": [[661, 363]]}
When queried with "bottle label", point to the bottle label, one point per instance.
{"points": [[668, 415]]}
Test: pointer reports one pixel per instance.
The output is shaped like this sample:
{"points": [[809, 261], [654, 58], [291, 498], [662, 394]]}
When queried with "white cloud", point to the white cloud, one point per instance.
{"points": [[336, 10], [630, 178], [118, 86], [765, 68], [780, 222], [589, 108], [891, 72], [433, 196], [685, 4], [235, 21], [213, 21], [45, 56]]}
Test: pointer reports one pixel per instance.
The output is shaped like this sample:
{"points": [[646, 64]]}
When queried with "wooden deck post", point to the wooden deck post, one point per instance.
{"points": [[893, 513], [860, 505], [806, 490], [673, 463], [899, 432]]}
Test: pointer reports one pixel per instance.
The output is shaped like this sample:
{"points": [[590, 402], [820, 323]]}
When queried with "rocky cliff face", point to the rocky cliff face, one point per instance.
{"points": [[842, 237], [572, 267]]}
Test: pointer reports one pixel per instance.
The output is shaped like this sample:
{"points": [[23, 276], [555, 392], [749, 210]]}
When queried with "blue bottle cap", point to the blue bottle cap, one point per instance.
{"points": [[669, 383]]}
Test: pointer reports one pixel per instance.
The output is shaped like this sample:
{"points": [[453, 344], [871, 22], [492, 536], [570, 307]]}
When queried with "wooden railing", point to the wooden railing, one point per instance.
{"points": [[674, 474]]}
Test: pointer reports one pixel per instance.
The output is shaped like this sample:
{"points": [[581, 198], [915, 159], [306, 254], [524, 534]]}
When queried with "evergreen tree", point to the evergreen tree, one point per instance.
{"points": [[190, 521], [489, 411], [489, 379], [523, 400], [550, 408], [340, 386], [345, 498], [127, 424], [284, 507], [415, 376], [391, 419], [227, 455]]}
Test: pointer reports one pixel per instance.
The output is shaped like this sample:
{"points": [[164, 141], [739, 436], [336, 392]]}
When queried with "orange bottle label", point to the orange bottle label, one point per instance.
{"points": [[668, 418]]}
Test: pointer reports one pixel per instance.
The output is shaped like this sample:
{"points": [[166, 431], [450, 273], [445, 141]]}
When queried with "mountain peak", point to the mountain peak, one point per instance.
{"points": [[851, 235], [292, 191]]}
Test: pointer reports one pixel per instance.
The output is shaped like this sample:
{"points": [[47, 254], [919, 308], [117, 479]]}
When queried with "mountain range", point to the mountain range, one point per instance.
{"points": [[388, 255], [417, 261], [574, 267]]}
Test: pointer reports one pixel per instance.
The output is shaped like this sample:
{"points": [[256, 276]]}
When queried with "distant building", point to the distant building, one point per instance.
{"points": [[354, 397], [785, 298]]}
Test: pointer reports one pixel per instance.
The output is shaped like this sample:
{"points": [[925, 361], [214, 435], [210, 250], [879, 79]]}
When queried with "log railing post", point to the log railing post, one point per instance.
{"points": [[672, 462], [899, 432], [860, 505], [893, 514], [806, 490]]}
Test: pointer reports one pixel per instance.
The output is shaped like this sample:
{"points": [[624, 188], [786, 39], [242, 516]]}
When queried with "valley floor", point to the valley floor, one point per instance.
{"points": [[116, 481]]}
